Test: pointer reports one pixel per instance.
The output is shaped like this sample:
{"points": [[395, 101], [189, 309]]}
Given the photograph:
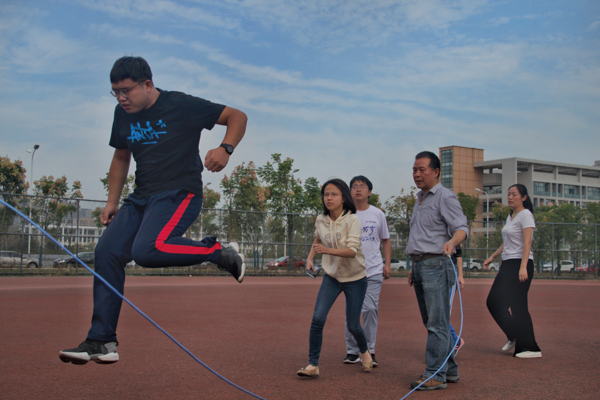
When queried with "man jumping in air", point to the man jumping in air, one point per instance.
{"points": [[161, 129]]}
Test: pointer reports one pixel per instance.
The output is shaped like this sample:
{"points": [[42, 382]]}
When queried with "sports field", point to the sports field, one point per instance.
{"points": [[256, 335]]}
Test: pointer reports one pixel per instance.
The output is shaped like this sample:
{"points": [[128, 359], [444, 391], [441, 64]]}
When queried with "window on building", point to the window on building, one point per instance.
{"points": [[593, 193], [571, 191], [541, 188], [446, 171]]}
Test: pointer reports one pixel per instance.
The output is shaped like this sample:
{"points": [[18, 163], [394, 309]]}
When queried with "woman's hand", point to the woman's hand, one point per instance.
{"points": [[523, 274], [320, 249], [310, 265], [487, 262]]}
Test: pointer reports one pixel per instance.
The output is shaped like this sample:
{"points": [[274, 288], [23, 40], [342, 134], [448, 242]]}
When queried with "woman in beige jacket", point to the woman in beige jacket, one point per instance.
{"points": [[337, 238]]}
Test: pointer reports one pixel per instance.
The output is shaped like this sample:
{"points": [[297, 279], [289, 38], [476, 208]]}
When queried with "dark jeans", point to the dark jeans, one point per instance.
{"points": [[433, 279], [148, 231], [508, 292], [328, 293]]}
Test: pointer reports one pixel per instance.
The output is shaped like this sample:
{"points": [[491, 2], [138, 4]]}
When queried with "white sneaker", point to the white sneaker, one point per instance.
{"points": [[529, 354], [509, 345]]}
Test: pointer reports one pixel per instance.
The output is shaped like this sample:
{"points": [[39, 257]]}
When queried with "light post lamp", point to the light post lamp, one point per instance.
{"points": [[487, 221], [35, 147], [290, 230]]}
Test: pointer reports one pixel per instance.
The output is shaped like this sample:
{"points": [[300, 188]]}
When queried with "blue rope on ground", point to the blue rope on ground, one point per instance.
{"points": [[459, 333], [131, 304]]}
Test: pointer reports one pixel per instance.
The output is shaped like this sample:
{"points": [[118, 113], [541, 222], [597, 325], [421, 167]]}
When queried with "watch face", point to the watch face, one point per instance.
{"points": [[228, 148]]}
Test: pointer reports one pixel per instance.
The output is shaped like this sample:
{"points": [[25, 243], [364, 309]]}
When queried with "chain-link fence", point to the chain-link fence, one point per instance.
{"points": [[268, 240]]}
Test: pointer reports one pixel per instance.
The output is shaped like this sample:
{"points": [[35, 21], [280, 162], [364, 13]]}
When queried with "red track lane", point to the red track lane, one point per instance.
{"points": [[256, 335]]}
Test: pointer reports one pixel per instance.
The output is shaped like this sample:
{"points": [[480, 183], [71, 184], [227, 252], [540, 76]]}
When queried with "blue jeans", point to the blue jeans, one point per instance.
{"points": [[432, 279], [328, 293]]}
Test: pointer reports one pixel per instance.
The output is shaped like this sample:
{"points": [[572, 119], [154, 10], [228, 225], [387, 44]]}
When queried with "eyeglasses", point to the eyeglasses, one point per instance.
{"points": [[356, 187], [123, 92]]}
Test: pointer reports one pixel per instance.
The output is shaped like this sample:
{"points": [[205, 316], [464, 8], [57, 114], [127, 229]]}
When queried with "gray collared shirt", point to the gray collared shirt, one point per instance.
{"points": [[436, 217]]}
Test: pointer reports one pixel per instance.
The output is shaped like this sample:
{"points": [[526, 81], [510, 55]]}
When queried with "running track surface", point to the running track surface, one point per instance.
{"points": [[256, 335]]}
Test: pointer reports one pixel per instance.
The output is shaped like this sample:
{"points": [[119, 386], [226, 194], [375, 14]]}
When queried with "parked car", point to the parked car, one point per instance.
{"points": [[86, 257], [13, 259], [475, 265], [587, 268], [565, 265], [396, 264], [283, 262]]}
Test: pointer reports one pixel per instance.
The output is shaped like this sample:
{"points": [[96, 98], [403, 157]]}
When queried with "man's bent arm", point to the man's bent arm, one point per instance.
{"points": [[235, 120]]}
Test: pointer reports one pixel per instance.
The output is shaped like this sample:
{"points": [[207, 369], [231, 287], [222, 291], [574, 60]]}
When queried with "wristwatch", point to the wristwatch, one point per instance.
{"points": [[228, 148]]}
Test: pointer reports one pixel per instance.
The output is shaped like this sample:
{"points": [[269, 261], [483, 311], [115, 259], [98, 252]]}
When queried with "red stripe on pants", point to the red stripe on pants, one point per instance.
{"points": [[175, 248]]}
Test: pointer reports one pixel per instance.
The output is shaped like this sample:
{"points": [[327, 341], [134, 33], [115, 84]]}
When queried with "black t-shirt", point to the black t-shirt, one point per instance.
{"points": [[164, 141]]}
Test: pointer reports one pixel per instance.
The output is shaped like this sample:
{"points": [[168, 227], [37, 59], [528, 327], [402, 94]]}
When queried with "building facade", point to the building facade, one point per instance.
{"points": [[463, 169]]}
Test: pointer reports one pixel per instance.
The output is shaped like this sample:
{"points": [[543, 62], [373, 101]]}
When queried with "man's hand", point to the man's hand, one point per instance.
{"points": [[216, 159], [387, 271], [461, 282], [410, 279], [448, 248], [108, 214]]}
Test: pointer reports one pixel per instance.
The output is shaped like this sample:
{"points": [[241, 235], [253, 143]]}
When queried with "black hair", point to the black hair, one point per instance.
{"points": [[348, 202], [434, 160], [523, 192], [134, 68], [362, 178]]}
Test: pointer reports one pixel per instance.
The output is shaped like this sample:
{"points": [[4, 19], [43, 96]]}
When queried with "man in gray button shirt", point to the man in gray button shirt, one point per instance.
{"points": [[437, 226]]}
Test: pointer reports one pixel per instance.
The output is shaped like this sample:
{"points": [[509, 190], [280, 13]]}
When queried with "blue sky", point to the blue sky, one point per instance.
{"points": [[342, 87]]}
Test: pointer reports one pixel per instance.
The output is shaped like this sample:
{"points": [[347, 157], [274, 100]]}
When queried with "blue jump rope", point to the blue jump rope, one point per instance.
{"points": [[131, 304], [183, 347]]}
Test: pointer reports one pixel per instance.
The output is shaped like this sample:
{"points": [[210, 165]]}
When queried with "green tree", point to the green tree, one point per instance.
{"points": [[374, 200], [207, 222], [55, 201], [312, 196], [499, 212], [12, 181], [286, 197], [128, 188], [558, 228], [243, 194], [469, 205], [399, 211]]}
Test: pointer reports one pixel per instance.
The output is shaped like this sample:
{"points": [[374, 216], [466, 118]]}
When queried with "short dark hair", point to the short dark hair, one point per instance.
{"points": [[134, 68], [348, 202], [362, 178], [522, 189], [434, 160]]}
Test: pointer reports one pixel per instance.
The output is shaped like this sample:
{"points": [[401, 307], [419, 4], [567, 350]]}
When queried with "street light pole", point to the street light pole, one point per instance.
{"points": [[35, 147], [290, 233], [487, 221]]}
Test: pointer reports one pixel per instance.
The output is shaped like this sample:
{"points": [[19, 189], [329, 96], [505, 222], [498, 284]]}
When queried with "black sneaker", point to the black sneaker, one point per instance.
{"points": [[91, 350], [351, 359], [374, 360], [232, 261]]}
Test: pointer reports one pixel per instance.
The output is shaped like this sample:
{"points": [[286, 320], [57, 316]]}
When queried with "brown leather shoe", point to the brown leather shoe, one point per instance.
{"points": [[309, 373], [431, 384], [367, 361]]}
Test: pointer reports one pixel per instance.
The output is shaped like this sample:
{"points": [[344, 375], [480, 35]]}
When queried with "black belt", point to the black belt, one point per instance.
{"points": [[421, 257]]}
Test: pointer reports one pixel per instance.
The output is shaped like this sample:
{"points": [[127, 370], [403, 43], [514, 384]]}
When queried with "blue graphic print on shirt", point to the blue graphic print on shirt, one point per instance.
{"points": [[146, 135], [368, 231]]}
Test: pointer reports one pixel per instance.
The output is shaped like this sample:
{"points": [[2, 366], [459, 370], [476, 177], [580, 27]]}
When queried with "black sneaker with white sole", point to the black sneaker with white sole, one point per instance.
{"points": [[375, 364], [232, 261], [351, 359], [91, 350]]}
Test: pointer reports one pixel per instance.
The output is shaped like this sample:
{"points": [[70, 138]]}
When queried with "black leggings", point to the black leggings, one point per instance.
{"points": [[508, 292]]}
